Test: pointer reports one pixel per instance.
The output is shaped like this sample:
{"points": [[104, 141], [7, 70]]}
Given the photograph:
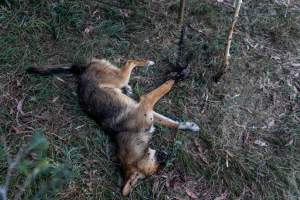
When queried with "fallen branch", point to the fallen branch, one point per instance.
{"points": [[225, 64]]}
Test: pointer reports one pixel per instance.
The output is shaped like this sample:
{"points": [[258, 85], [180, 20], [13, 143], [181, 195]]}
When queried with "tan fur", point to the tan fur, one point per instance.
{"points": [[135, 120], [100, 94]]}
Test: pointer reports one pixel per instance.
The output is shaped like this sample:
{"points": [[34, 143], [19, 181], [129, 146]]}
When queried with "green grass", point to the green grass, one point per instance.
{"points": [[257, 98]]}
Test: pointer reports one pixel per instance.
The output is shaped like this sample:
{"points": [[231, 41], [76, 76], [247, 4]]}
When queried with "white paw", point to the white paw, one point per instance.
{"points": [[127, 90], [189, 126], [150, 62], [152, 129]]}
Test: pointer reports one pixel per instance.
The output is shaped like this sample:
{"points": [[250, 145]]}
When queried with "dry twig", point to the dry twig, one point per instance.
{"points": [[201, 153], [181, 12], [225, 64]]}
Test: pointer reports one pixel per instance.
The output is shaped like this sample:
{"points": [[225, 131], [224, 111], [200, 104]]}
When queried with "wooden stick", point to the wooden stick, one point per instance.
{"points": [[181, 12], [225, 64]]}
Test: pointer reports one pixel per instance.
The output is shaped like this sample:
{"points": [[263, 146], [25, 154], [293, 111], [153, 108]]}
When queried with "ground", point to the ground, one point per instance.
{"points": [[248, 145]]}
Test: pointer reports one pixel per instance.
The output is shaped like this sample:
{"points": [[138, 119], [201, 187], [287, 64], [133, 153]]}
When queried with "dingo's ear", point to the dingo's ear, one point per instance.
{"points": [[130, 182]]}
